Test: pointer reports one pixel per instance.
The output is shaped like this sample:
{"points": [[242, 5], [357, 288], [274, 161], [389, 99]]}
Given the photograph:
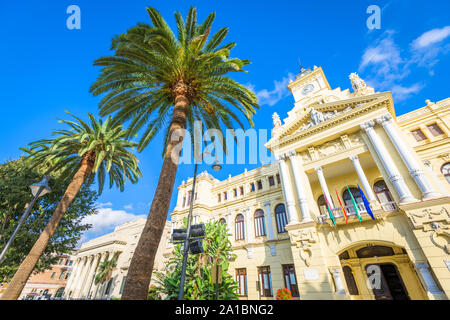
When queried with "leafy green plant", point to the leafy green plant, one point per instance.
{"points": [[153, 293], [199, 285], [284, 294]]}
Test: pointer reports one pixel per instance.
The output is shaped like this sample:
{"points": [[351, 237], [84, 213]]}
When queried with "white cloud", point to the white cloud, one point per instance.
{"points": [[107, 218], [280, 90], [431, 37], [401, 93], [128, 206]]}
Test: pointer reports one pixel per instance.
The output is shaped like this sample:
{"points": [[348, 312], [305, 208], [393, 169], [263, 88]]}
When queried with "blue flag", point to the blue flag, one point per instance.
{"points": [[366, 203]]}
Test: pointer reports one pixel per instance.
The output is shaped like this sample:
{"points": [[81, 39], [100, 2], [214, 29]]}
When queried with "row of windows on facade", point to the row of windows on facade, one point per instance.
{"points": [[252, 188], [236, 191], [264, 284], [260, 226], [65, 261], [62, 276], [434, 129]]}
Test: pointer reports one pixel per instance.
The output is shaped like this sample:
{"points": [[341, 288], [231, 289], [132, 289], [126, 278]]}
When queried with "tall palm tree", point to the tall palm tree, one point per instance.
{"points": [[105, 270], [82, 152], [156, 80]]}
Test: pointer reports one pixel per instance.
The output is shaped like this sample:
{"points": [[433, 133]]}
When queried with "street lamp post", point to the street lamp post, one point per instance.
{"points": [[216, 167], [37, 190]]}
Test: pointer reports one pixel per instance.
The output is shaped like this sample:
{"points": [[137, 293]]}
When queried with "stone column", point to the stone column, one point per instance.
{"points": [[338, 281], [91, 275], [427, 165], [73, 275], [98, 287], [306, 216], [248, 225], [268, 217], [363, 178], [388, 164], [287, 191], [413, 166], [80, 278], [431, 285], [324, 186], [84, 280]]}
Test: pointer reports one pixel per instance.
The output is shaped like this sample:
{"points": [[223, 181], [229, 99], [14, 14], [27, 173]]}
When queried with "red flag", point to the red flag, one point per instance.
{"points": [[342, 207]]}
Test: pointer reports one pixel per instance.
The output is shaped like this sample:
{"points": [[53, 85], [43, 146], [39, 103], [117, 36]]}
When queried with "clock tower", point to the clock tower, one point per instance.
{"points": [[308, 83]]}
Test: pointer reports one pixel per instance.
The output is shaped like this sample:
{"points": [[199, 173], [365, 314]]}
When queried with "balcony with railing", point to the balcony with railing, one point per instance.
{"points": [[339, 216]]}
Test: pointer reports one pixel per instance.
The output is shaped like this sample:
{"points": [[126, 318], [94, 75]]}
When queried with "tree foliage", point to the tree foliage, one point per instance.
{"points": [[105, 270], [15, 178], [199, 285]]}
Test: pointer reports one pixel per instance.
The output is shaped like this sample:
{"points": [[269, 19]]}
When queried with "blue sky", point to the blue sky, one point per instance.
{"points": [[47, 68]]}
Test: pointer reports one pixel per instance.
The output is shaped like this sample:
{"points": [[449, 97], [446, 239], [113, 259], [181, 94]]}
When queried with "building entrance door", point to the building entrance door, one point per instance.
{"points": [[390, 285]]}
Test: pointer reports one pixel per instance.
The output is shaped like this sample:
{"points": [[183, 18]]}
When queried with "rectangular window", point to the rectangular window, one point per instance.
{"points": [[123, 284], [241, 279], [219, 198], [189, 197], [71, 262], [435, 130], [225, 196], [195, 196], [61, 276], [259, 184], [278, 179], [290, 280], [53, 275], [252, 187], [235, 192], [265, 282], [271, 181], [184, 201], [418, 135], [241, 189]]}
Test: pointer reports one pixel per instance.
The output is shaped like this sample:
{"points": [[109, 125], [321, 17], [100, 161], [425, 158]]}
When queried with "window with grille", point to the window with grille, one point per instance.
{"points": [[265, 282], [239, 231], [322, 204], [350, 280], [290, 280], [222, 221], [382, 192], [446, 171], [259, 185], [435, 130], [260, 229], [418, 135], [280, 215], [241, 279], [348, 199]]}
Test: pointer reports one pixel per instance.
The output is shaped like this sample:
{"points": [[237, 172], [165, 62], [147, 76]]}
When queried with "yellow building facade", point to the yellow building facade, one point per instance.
{"points": [[304, 222]]}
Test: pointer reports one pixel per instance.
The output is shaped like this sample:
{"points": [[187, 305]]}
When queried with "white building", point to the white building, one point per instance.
{"points": [[120, 244]]}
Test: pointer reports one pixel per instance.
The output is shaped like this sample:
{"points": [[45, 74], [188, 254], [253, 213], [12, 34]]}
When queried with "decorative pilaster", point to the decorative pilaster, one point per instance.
{"points": [[268, 217], [306, 216], [80, 280], [248, 219], [431, 285], [388, 164], [338, 280], [228, 215], [427, 165], [362, 177], [92, 272], [323, 185], [73, 275], [287, 190], [413, 166]]}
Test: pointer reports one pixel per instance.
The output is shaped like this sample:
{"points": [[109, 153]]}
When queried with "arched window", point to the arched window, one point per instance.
{"points": [[223, 221], [239, 232], [350, 280], [382, 192], [322, 205], [348, 199], [280, 214], [446, 171], [260, 227]]}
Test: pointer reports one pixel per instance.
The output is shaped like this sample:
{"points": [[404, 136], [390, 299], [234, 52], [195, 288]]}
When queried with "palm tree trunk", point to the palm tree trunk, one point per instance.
{"points": [[141, 266], [21, 276]]}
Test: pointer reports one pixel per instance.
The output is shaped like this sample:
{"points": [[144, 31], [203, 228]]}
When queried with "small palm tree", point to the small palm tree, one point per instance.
{"points": [[82, 153], [105, 270], [156, 80]]}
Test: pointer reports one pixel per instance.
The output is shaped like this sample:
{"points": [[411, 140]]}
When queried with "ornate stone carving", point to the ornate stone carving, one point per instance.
{"points": [[330, 148], [303, 239], [359, 86], [276, 121], [317, 117]]}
